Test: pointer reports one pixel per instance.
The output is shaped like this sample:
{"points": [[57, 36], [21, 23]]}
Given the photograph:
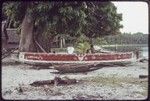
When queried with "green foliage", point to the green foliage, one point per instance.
{"points": [[82, 47], [82, 39], [14, 11], [72, 18], [82, 44], [102, 19], [128, 38], [93, 19], [100, 41]]}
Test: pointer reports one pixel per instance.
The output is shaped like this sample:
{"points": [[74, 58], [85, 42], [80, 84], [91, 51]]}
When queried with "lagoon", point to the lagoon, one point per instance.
{"points": [[129, 48]]}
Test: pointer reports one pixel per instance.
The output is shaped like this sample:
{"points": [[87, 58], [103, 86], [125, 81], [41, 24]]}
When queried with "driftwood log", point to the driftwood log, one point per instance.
{"points": [[56, 81], [143, 76]]}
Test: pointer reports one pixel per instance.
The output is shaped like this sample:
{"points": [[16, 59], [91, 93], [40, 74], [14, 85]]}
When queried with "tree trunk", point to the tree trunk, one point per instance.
{"points": [[26, 37]]}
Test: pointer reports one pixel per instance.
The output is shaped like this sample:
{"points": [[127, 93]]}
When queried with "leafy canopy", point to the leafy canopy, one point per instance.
{"points": [[93, 19]]}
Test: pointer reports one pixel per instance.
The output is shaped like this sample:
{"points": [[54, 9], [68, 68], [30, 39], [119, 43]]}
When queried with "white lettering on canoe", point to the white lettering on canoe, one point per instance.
{"points": [[35, 57]]}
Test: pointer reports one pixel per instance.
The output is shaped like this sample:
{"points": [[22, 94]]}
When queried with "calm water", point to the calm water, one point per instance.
{"points": [[145, 52], [143, 49]]}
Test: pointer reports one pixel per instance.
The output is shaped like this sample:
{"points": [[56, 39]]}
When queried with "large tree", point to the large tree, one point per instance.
{"points": [[52, 18], [43, 17]]}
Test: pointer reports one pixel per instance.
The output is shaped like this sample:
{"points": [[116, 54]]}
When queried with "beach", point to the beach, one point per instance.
{"points": [[106, 83]]}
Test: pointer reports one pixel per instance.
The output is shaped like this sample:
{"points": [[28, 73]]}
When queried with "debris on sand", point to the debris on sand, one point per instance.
{"points": [[143, 76], [143, 60], [56, 81]]}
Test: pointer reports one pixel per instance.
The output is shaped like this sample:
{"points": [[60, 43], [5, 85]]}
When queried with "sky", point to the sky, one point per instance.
{"points": [[135, 16]]}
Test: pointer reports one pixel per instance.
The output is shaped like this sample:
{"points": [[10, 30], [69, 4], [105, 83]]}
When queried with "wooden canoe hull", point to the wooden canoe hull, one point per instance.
{"points": [[73, 62], [57, 58], [27, 57]]}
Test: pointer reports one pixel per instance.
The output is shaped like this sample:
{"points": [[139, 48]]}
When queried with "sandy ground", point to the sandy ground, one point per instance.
{"points": [[108, 83]]}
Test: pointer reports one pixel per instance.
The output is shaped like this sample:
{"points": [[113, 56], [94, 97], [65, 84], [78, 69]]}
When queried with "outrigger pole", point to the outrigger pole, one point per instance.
{"points": [[40, 46]]}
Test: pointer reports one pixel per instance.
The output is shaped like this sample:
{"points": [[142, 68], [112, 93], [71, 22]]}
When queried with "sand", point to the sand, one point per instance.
{"points": [[108, 83]]}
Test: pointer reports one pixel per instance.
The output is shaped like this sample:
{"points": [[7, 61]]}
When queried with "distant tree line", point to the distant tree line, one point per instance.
{"points": [[127, 38]]}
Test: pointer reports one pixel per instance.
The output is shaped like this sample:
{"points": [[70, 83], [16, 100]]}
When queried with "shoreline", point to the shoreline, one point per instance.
{"points": [[137, 45]]}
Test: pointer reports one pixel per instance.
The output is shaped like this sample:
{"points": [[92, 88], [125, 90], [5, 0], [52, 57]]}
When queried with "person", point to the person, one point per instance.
{"points": [[54, 52], [137, 53], [92, 49], [88, 51]]}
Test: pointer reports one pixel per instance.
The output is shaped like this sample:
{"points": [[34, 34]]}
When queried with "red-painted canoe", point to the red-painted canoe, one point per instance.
{"points": [[58, 58], [64, 62]]}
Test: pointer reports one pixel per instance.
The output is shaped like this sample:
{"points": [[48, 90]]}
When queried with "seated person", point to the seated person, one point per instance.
{"points": [[91, 50]]}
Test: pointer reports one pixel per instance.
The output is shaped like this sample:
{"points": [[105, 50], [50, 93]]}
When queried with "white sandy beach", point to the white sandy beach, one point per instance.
{"points": [[118, 82]]}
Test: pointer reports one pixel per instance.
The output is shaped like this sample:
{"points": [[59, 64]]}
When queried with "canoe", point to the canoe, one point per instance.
{"points": [[65, 62], [30, 57]]}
